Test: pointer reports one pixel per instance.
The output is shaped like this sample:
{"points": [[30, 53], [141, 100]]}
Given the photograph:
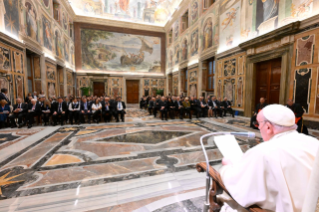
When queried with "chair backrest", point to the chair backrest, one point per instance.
{"points": [[312, 196]]}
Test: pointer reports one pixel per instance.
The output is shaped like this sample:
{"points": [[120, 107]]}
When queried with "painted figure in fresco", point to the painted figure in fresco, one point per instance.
{"points": [[184, 51], [66, 50], [170, 58], [88, 8], [64, 19], [177, 54], [208, 32], [194, 10], [194, 49], [32, 28], [302, 10], [270, 8], [47, 35], [231, 16]]}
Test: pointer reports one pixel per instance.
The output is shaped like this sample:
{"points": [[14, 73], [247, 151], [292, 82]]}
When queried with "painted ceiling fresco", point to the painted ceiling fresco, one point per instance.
{"points": [[154, 12]]}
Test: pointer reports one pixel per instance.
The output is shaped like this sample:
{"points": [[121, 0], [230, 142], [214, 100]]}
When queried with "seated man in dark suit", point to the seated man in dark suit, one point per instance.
{"points": [[34, 109], [120, 109], [59, 111], [258, 108], [106, 110], [19, 112], [163, 108], [227, 107], [216, 107], [151, 106], [180, 108], [157, 103], [85, 110]]}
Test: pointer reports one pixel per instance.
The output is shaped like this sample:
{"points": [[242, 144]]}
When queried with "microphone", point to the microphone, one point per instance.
{"points": [[244, 134]]}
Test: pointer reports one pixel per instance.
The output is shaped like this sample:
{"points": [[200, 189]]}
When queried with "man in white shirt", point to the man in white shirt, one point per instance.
{"points": [[273, 175]]}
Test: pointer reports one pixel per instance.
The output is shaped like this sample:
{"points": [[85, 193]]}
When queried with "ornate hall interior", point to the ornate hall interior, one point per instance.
{"points": [[79, 128]]}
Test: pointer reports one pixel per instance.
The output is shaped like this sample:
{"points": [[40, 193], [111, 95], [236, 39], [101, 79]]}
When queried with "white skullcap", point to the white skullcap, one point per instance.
{"points": [[279, 114]]}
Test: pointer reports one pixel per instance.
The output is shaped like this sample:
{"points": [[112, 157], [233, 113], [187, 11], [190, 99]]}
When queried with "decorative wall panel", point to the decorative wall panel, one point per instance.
{"points": [[229, 90], [175, 85], [5, 59], [240, 91], [317, 94], [302, 87], [305, 50], [230, 67], [192, 82], [51, 74], [18, 62], [19, 87]]}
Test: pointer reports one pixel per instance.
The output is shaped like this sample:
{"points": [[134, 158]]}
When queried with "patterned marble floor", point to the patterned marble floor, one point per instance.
{"points": [[117, 167]]}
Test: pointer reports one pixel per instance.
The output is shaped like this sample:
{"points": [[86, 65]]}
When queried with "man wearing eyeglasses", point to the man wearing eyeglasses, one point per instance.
{"points": [[273, 175]]}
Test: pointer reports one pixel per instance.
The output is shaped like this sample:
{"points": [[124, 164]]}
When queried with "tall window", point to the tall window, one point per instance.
{"points": [[211, 75], [56, 11], [185, 21]]}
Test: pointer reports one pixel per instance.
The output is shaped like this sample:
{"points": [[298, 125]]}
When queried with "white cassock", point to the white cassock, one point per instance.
{"points": [[273, 175]]}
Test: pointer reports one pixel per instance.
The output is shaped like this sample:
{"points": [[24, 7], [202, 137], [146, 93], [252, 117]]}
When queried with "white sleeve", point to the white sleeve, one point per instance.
{"points": [[94, 107], [246, 180]]}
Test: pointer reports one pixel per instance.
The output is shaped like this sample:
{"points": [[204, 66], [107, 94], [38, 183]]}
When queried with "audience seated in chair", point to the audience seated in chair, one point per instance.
{"points": [[96, 110], [19, 112], [227, 107], [74, 111], [34, 110], [258, 108], [106, 110], [59, 111], [4, 113], [85, 110], [120, 109]]}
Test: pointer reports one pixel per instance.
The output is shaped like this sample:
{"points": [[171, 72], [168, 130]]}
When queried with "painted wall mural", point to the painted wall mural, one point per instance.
{"points": [[184, 50], [177, 54], [18, 62], [230, 27], [207, 34], [47, 33], [194, 42], [156, 12], [175, 85], [12, 16], [110, 51], [194, 11], [31, 20], [66, 49]]}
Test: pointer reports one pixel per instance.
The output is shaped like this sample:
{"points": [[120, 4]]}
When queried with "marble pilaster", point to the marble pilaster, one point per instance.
{"points": [[43, 73], [65, 82]]}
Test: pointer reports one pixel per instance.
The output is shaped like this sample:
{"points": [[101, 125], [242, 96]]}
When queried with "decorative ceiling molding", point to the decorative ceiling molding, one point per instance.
{"points": [[176, 15], [115, 23]]}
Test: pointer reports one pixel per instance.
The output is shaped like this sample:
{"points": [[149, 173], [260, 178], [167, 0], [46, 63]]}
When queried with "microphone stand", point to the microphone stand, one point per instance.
{"points": [[207, 204]]}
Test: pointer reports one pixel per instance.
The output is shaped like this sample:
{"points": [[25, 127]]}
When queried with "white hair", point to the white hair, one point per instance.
{"points": [[33, 100], [280, 128]]}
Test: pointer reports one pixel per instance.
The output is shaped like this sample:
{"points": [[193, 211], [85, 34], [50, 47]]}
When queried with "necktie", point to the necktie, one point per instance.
{"points": [[107, 107], [85, 106], [120, 106], [33, 107], [19, 106], [60, 107]]}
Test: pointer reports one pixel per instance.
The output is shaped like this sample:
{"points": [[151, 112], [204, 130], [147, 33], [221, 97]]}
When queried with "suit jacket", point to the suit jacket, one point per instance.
{"points": [[123, 105], [163, 104], [88, 106], [259, 107], [3, 117], [197, 103], [226, 104], [104, 106], [24, 107], [151, 104], [37, 109], [171, 105], [112, 104], [217, 104], [64, 107], [3, 96], [204, 103]]}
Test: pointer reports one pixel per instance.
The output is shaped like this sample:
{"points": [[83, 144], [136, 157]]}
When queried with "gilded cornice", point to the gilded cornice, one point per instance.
{"points": [[115, 23]]}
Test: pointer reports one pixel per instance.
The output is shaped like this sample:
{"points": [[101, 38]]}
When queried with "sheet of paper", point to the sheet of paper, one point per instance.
{"points": [[229, 147]]}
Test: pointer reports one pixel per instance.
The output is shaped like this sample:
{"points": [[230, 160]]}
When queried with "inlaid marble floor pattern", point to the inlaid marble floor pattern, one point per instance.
{"points": [[118, 167]]}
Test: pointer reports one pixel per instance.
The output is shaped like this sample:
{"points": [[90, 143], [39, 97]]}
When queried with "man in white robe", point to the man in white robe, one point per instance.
{"points": [[273, 175]]}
